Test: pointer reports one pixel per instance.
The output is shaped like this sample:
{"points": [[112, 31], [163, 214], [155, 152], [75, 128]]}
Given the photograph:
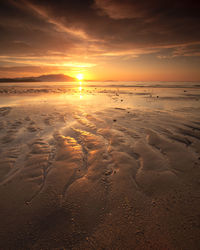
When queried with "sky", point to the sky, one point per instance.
{"points": [[129, 40]]}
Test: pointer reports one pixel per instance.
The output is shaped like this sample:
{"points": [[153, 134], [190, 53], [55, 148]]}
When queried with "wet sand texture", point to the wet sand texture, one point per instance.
{"points": [[73, 178]]}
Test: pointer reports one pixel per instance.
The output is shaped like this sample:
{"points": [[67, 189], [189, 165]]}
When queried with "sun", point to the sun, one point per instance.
{"points": [[79, 77]]}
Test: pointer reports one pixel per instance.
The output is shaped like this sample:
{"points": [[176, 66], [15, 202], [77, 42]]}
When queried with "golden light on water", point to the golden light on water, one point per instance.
{"points": [[80, 90]]}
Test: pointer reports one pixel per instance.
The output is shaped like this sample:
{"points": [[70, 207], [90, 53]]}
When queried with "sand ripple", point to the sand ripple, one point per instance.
{"points": [[116, 179]]}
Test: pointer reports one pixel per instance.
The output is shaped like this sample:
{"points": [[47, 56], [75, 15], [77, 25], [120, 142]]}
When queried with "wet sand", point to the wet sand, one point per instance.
{"points": [[99, 168]]}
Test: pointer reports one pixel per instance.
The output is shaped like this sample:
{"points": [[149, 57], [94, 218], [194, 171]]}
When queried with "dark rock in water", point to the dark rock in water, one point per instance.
{"points": [[108, 172], [4, 111]]}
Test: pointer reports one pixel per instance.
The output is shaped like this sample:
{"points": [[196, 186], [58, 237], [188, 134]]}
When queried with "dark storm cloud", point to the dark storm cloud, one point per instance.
{"points": [[128, 23], [118, 9], [99, 28], [24, 32]]}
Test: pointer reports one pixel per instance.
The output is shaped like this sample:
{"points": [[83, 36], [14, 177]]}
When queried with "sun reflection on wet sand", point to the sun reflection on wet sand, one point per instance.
{"points": [[80, 90]]}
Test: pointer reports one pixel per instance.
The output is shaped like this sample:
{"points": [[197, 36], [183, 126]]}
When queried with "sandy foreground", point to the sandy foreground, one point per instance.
{"points": [[99, 168]]}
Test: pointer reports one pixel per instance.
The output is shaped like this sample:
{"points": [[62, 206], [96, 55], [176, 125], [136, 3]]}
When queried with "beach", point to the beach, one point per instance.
{"points": [[91, 166]]}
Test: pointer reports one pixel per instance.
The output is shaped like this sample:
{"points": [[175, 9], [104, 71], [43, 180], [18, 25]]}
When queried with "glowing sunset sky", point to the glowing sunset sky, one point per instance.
{"points": [[102, 39]]}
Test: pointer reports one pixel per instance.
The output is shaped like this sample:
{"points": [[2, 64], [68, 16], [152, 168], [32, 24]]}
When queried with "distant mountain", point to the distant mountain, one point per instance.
{"points": [[55, 78], [43, 78]]}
